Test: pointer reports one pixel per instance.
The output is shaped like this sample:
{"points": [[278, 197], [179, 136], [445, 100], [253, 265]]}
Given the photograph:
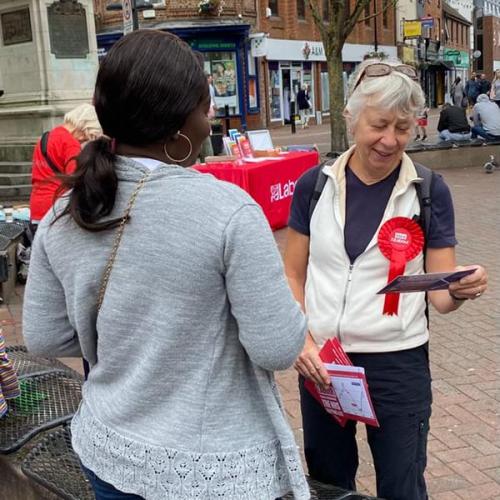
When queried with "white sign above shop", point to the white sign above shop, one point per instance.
{"points": [[302, 50]]}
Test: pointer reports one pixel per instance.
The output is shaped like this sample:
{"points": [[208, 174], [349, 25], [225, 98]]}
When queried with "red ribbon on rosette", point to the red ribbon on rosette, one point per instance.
{"points": [[400, 240]]}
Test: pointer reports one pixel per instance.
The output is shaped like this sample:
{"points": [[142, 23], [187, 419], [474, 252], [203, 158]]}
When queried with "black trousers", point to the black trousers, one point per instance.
{"points": [[398, 446]]}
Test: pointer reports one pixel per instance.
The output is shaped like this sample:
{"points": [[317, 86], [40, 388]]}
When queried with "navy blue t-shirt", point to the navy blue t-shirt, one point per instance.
{"points": [[399, 381], [365, 206]]}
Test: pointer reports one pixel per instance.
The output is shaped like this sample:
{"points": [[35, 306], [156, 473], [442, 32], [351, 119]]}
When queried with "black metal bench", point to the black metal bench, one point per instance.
{"points": [[53, 464]]}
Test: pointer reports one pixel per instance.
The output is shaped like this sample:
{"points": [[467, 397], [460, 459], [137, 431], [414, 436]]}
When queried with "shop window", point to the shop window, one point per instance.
{"points": [[301, 9], [253, 94], [274, 91], [222, 66], [273, 5]]}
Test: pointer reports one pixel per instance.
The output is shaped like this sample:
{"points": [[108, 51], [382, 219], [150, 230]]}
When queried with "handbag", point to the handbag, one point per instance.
{"points": [[116, 243], [112, 256]]}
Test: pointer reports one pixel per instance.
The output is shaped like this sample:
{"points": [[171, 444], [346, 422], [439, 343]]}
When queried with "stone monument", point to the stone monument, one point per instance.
{"points": [[48, 65]]}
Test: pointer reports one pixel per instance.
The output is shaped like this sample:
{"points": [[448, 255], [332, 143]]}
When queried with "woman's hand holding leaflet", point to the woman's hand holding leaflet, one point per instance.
{"points": [[309, 364]]}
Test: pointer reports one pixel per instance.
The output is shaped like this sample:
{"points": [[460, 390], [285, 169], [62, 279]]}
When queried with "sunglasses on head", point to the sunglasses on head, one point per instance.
{"points": [[382, 69]]}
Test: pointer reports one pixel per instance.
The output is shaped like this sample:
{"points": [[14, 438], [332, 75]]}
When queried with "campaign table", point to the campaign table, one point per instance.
{"points": [[270, 183]]}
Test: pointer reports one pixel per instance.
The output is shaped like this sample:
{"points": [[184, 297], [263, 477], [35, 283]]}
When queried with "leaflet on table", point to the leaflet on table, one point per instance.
{"points": [[245, 148], [424, 282]]}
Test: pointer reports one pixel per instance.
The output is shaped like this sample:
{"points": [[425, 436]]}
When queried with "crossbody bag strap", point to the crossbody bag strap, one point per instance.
{"points": [[116, 243], [44, 142]]}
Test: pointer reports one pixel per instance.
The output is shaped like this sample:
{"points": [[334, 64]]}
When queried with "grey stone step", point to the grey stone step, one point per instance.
{"points": [[15, 167], [15, 193], [16, 152], [16, 179]]}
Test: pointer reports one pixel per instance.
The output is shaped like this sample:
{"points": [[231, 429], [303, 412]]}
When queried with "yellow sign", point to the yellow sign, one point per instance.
{"points": [[408, 56], [412, 29]]}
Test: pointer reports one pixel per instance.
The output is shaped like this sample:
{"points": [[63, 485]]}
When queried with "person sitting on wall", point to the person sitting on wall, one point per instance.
{"points": [[453, 125], [486, 117]]}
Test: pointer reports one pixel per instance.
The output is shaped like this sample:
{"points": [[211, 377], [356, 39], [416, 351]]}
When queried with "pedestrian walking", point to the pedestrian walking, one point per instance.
{"points": [[335, 266], [472, 89], [170, 284], [495, 88], [304, 105], [422, 122], [457, 93], [484, 84]]}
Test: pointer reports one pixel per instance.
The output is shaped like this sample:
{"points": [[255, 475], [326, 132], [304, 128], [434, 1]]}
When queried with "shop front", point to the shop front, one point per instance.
{"points": [[291, 64], [461, 63], [435, 73], [226, 57]]}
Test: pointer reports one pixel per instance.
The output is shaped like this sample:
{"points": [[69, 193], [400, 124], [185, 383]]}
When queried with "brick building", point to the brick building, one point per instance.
{"points": [[293, 55], [221, 36], [259, 51], [420, 42], [456, 39]]}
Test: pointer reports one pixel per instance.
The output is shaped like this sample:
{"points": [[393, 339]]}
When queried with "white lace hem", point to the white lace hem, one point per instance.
{"points": [[262, 472]]}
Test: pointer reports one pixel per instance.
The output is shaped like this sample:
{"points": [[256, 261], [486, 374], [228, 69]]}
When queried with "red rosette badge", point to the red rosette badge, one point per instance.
{"points": [[400, 240]]}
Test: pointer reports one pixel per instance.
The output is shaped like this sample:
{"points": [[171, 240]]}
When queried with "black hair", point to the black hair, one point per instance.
{"points": [[147, 86]]}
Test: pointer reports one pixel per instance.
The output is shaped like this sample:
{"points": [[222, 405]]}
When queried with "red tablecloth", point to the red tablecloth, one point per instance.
{"points": [[270, 183]]}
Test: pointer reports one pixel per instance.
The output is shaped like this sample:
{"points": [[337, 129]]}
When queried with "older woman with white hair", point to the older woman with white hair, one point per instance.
{"points": [[336, 262], [54, 156]]}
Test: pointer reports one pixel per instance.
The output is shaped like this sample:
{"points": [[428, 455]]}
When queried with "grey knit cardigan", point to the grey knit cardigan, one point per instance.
{"points": [[181, 401]]}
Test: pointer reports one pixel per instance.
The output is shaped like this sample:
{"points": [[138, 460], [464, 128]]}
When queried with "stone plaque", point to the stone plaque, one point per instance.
{"points": [[16, 27], [68, 32]]}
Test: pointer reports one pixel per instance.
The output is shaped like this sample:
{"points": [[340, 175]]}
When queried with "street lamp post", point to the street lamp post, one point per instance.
{"points": [[136, 6]]}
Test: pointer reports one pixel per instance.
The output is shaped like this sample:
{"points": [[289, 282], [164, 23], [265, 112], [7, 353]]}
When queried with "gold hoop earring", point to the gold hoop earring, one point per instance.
{"points": [[179, 133]]}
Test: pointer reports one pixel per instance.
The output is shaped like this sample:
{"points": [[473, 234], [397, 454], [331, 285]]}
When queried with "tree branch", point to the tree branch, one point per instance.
{"points": [[353, 18], [318, 20], [390, 4]]}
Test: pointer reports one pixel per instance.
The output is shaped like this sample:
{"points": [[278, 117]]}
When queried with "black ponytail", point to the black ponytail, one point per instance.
{"points": [[147, 86], [93, 187]]}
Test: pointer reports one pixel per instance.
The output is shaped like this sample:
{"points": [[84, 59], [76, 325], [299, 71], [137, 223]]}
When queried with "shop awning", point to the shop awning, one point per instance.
{"points": [[441, 64]]}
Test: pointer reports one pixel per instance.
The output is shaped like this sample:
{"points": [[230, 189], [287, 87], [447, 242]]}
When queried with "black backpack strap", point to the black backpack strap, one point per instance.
{"points": [[43, 148], [318, 188], [424, 196], [423, 190]]}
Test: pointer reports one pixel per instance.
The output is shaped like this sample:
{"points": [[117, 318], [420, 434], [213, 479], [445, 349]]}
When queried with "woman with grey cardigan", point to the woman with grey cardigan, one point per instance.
{"points": [[169, 283]]}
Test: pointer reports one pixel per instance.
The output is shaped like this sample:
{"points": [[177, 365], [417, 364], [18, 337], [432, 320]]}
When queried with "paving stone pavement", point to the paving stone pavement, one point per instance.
{"points": [[320, 134], [464, 441], [464, 444]]}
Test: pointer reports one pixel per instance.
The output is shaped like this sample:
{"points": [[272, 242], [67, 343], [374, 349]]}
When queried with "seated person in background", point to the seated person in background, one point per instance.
{"points": [[453, 125], [486, 117]]}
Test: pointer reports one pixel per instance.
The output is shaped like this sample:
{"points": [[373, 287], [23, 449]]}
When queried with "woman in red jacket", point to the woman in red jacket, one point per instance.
{"points": [[62, 145]]}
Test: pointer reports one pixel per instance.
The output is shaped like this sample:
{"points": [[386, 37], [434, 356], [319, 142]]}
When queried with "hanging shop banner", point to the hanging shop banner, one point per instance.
{"points": [[412, 29], [258, 46], [459, 58], [408, 55], [427, 22]]}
